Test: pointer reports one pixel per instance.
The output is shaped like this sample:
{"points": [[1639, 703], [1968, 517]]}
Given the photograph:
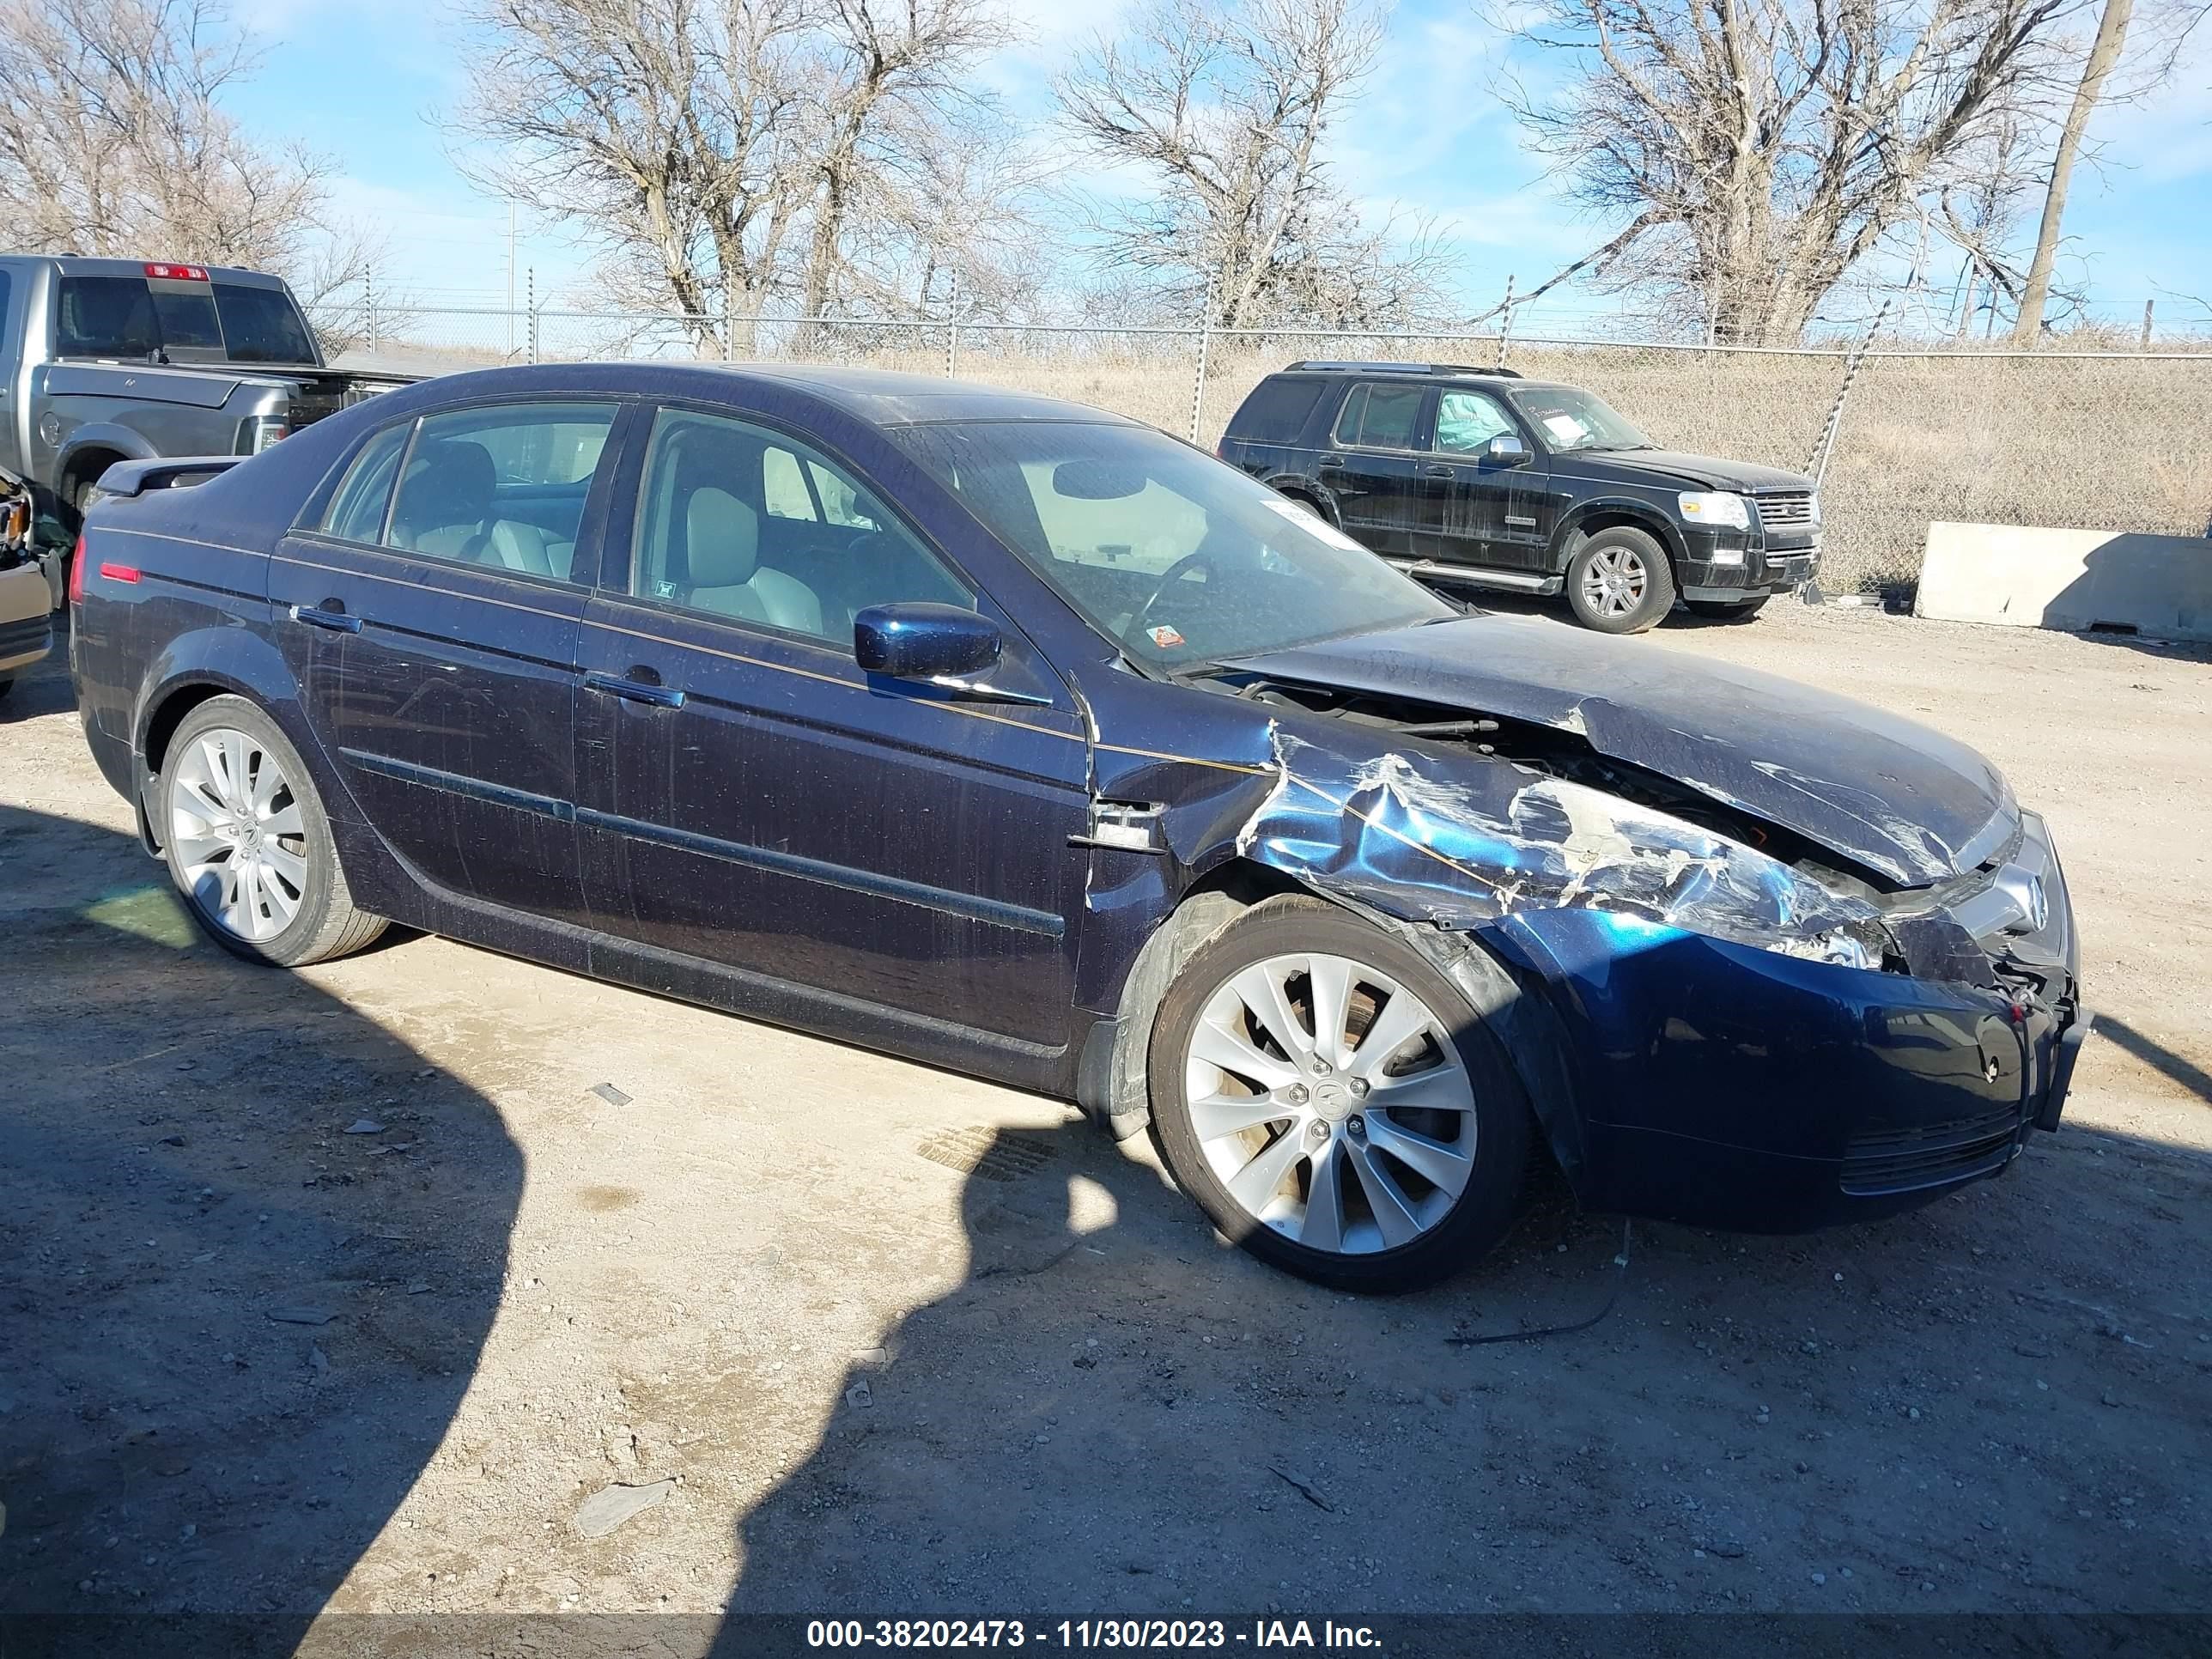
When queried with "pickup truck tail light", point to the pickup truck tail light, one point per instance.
{"points": [[257, 434]]}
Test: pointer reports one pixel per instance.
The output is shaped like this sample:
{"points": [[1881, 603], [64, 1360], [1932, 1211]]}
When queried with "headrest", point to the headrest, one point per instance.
{"points": [[448, 482], [721, 538]]}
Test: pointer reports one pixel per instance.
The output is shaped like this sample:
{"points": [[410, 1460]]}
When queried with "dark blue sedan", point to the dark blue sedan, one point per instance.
{"points": [[1020, 738]]}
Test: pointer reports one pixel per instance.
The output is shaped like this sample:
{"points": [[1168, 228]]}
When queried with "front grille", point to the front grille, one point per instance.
{"points": [[29, 635], [1789, 509], [1929, 1154]]}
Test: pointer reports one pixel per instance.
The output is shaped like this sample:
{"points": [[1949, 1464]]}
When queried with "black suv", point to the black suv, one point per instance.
{"points": [[1479, 475]]}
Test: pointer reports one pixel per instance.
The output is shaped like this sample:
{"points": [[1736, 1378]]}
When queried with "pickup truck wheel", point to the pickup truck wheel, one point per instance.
{"points": [[1334, 1103], [248, 843], [1729, 609], [1619, 582], [6, 686]]}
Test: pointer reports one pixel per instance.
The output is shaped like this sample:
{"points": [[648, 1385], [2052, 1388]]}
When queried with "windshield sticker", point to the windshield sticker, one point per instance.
{"points": [[1314, 525], [1164, 637], [1565, 427]]}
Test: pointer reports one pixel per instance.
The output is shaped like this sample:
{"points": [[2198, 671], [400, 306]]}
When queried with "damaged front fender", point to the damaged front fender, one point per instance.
{"points": [[1387, 833]]}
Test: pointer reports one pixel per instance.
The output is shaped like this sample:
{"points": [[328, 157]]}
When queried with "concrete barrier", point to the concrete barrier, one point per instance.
{"points": [[2076, 580]]}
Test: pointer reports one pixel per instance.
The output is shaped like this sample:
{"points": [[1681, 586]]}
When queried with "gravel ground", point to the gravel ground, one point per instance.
{"points": [[343, 1292]]}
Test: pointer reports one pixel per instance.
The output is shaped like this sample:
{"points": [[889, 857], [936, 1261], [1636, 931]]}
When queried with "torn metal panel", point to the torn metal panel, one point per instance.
{"points": [[1494, 839], [1908, 804]]}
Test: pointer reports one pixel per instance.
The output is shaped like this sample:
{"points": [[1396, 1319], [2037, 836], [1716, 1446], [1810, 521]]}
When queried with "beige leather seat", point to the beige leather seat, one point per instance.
{"points": [[445, 499], [722, 543]]}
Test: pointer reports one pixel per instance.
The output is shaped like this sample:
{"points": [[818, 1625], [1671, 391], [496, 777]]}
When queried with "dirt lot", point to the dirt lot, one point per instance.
{"points": [[341, 1292]]}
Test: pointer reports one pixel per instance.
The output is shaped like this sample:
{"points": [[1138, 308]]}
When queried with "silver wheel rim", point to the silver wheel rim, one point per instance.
{"points": [[1615, 582], [1331, 1102], [238, 833]]}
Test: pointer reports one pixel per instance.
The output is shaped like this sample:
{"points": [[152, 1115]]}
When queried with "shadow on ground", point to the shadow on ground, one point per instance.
{"points": [[1993, 1405], [235, 1331]]}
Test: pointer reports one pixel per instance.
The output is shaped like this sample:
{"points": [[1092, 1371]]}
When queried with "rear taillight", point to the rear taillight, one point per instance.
{"points": [[76, 572]]}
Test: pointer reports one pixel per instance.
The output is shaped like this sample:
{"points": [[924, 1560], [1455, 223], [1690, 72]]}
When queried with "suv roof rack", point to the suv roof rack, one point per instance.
{"points": [[1347, 368]]}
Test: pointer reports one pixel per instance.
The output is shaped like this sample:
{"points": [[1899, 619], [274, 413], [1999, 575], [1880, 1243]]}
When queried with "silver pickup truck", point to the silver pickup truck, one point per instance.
{"points": [[103, 361]]}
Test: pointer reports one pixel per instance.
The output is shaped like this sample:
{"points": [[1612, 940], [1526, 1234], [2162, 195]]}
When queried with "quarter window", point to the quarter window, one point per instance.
{"points": [[502, 487], [356, 512], [740, 522]]}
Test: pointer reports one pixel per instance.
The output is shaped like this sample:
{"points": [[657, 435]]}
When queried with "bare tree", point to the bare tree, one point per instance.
{"points": [[113, 140], [2104, 55], [897, 77], [723, 153], [1761, 149], [1227, 107]]}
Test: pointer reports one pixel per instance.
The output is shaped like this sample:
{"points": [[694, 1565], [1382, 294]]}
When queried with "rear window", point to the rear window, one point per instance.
{"points": [[187, 322], [1277, 411], [262, 326]]}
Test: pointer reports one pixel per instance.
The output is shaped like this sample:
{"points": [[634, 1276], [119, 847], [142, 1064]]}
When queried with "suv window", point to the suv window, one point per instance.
{"points": [[1468, 420], [502, 486], [744, 523], [1277, 411], [1381, 416]]}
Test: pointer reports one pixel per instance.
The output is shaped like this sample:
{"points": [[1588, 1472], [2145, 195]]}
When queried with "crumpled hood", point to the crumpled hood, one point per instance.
{"points": [[1675, 466], [1887, 793]]}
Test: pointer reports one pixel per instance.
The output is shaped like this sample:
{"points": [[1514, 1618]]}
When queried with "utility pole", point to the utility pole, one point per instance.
{"points": [[2148, 303], [1505, 329], [510, 278]]}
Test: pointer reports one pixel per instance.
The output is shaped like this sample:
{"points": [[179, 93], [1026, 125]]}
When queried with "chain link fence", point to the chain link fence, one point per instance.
{"points": [[2088, 440]]}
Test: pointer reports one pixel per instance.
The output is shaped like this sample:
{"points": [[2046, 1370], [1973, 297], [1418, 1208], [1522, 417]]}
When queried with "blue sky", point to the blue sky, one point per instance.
{"points": [[365, 81]]}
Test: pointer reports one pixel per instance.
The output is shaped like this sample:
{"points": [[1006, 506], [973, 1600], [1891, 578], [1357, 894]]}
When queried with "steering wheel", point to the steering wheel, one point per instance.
{"points": [[1198, 560]]}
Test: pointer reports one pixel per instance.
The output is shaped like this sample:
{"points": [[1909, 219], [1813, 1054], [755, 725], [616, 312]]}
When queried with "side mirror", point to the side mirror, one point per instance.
{"points": [[1506, 450], [919, 640]]}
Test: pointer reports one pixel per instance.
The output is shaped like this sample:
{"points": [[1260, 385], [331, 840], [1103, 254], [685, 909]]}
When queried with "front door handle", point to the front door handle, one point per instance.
{"points": [[336, 620], [1443, 472], [621, 685]]}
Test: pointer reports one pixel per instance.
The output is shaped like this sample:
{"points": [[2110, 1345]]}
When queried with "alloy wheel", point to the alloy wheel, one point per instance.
{"points": [[1615, 582], [1331, 1102], [239, 837]]}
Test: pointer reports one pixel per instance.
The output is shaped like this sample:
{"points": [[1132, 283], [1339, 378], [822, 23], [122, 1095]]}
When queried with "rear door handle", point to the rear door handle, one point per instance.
{"points": [[336, 620], [621, 685], [1330, 464]]}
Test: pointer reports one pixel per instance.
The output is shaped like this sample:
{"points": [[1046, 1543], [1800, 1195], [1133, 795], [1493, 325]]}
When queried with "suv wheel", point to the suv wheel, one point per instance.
{"points": [[1619, 582], [248, 843], [1334, 1103]]}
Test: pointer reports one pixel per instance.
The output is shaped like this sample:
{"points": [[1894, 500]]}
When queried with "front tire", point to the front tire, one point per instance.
{"points": [[1618, 581], [248, 843], [1334, 1103]]}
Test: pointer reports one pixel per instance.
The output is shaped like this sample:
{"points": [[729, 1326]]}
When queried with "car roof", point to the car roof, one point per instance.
{"points": [[879, 397], [75, 265]]}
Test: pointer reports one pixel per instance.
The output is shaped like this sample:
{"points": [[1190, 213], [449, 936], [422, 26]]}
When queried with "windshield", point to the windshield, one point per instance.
{"points": [[1570, 418], [183, 322], [1177, 558]]}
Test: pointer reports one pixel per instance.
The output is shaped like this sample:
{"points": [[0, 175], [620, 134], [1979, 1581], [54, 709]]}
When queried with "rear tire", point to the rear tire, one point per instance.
{"points": [[6, 686], [1618, 581], [1728, 609], [248, 843], [1374, 1168]]}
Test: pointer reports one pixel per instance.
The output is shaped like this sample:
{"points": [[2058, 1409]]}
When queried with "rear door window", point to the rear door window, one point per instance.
{"points": [[1381, 418], [502, 486]]}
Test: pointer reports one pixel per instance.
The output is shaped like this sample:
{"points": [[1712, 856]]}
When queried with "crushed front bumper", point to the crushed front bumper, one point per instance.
{"points": [[1720, 1084]]}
